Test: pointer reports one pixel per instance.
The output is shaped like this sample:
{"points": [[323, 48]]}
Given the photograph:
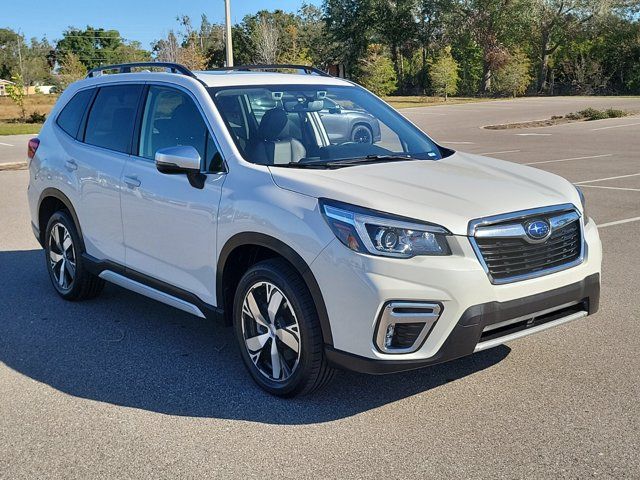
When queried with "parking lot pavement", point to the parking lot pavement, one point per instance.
{"points": [[124, 387], [13, 148]]}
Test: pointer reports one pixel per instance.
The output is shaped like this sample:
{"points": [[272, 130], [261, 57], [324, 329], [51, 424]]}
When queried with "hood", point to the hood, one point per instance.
{"points": [[449, 192]]}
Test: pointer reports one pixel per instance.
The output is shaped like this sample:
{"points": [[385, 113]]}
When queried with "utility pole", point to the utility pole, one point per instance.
{"points": [[229, 44]]}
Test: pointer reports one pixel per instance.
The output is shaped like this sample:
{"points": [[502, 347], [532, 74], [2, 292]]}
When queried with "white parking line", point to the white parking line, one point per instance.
{"points": [[615, 126], [572, 158], [613, 188], [7, 144], [607, 178], [411, 112], [458, 143], [533, 134], [619, 222], [501, 151]]}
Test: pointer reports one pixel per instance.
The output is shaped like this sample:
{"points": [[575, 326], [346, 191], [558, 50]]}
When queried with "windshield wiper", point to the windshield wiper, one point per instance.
{"points": [[346, 162]]}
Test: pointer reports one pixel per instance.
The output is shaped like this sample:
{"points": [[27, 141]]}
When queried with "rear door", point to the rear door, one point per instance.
{"points": [[169, 225], [98, 162]]}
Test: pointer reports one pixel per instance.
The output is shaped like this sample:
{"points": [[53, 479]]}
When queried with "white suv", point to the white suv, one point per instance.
{"points": [[222, 194]]}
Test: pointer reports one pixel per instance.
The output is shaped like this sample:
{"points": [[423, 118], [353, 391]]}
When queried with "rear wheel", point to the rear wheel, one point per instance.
{"points": [[278, 330], [63, 251]]}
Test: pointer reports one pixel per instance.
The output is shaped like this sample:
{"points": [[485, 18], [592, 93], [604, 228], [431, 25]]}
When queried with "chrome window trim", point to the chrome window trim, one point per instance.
{"points": [[568, 213]]}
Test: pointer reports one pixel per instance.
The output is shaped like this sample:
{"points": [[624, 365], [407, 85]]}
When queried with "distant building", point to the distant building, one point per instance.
{"points": [[44, 89], [3, 87]]}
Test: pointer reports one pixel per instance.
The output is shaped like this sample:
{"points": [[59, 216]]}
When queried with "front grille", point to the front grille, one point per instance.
{"points": [[507, 258]]}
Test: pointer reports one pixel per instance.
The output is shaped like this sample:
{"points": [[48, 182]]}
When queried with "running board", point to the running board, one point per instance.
{"points": [[147, 291]]}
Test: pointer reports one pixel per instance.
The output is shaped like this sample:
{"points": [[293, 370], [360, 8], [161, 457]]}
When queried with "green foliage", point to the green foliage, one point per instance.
{"points": [[443, 73], [97, 46], [16, 92], [594, 114], [36, 117], [514, 76], [375, 71], [70, 70]]}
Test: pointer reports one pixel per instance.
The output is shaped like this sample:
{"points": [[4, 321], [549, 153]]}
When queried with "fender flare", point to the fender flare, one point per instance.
{"points": [[284, 250], [54, 192]]}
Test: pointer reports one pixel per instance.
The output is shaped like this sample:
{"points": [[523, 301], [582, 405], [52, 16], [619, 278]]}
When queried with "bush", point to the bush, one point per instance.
{"points": [[615, 113], [594, 114], [36, 117]]}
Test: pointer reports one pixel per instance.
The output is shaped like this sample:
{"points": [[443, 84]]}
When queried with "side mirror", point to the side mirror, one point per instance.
{"points": [[336, 109], [181, 159]]}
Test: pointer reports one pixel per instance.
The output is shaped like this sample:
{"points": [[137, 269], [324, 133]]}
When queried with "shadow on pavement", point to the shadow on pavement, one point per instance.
{"points": [[127, 350]]}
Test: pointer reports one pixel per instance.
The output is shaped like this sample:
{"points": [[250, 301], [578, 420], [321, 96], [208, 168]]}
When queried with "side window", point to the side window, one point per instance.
{"points": [[71, 115], [171, 118], [112, 117]]}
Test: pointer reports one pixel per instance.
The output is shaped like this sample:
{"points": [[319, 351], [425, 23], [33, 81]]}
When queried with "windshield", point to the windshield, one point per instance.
{"points": [[318, 125]]}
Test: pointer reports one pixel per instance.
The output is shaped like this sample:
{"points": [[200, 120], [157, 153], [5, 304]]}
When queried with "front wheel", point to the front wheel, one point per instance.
{"points": [[362, 134], [277, 328]]}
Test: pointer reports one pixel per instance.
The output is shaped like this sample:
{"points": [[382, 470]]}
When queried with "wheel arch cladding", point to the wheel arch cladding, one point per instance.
{"points": [[245, 249], [52, 200]]}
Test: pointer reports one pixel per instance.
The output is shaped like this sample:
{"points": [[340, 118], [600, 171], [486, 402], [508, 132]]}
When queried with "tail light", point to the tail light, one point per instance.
{"points": [[34, 143]]}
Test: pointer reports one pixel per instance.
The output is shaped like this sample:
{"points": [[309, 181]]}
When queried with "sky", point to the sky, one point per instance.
{"points": [[144, 21]]}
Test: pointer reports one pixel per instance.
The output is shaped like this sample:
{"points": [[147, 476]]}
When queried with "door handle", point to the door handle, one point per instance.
{"points": [[132, 182], [71, 165]]}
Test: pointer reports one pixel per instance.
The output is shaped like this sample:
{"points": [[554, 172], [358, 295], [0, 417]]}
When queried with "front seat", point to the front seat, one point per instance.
{"points": [[273, 144]]}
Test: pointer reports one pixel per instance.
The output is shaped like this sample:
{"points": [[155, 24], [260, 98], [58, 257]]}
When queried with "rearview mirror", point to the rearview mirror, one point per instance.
{"points": [[181, 159]]}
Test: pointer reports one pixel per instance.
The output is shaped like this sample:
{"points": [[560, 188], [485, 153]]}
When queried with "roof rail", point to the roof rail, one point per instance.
{"points": [[275, 66], [126, 68]]}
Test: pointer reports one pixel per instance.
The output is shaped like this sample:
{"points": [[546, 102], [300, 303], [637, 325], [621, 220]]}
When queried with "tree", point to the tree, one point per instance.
{"points": [[396, 26], [443, 73], [376, 72], [265, 39], [97, 46], [167, 50], [9, 45], [350, 28], [16, 92], [71, 69], [514, 76]]}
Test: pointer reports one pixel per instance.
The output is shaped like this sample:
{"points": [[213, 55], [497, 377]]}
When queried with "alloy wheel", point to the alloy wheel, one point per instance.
{"points": [[271, 331], [362, 134], [62, 257]]}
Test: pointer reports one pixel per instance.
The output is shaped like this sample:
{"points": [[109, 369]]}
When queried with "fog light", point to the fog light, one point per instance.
{"points": [[388, 338]]}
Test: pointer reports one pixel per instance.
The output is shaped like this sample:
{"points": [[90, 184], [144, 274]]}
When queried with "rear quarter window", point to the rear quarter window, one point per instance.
{"points": [[71, 115]]}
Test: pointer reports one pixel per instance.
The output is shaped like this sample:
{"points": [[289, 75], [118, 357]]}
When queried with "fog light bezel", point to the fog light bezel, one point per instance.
{"points": [[405, 311]]}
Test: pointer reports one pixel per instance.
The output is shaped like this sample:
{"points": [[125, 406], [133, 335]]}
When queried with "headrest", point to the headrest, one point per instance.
{"points": [[272, 124]]}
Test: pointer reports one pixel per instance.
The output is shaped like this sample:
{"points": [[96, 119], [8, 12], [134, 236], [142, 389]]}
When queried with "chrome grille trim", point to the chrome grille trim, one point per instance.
{"points": [[510, 226]]}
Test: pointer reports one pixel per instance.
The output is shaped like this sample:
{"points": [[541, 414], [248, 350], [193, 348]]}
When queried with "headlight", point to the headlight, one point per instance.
{"points": [[376, 233], [583, 201]]}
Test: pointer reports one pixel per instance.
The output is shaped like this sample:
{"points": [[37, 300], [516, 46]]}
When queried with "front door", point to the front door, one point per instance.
{"points": [[169, 225]]}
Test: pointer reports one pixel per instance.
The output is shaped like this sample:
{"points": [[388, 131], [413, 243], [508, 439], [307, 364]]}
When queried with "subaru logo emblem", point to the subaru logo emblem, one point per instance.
{"points": [[538, 229]]}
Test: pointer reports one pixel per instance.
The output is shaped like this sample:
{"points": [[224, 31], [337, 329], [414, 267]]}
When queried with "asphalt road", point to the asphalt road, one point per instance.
{"points": [[124, 387], [13, 148]]}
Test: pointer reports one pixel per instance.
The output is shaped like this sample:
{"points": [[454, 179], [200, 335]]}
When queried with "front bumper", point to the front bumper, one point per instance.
{"points": [[357, 287], [466, 335]]}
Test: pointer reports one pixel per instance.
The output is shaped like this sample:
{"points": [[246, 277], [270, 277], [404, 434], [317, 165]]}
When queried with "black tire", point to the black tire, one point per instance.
{"points": [[311, 370], [82, 284], [362, 133]]}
